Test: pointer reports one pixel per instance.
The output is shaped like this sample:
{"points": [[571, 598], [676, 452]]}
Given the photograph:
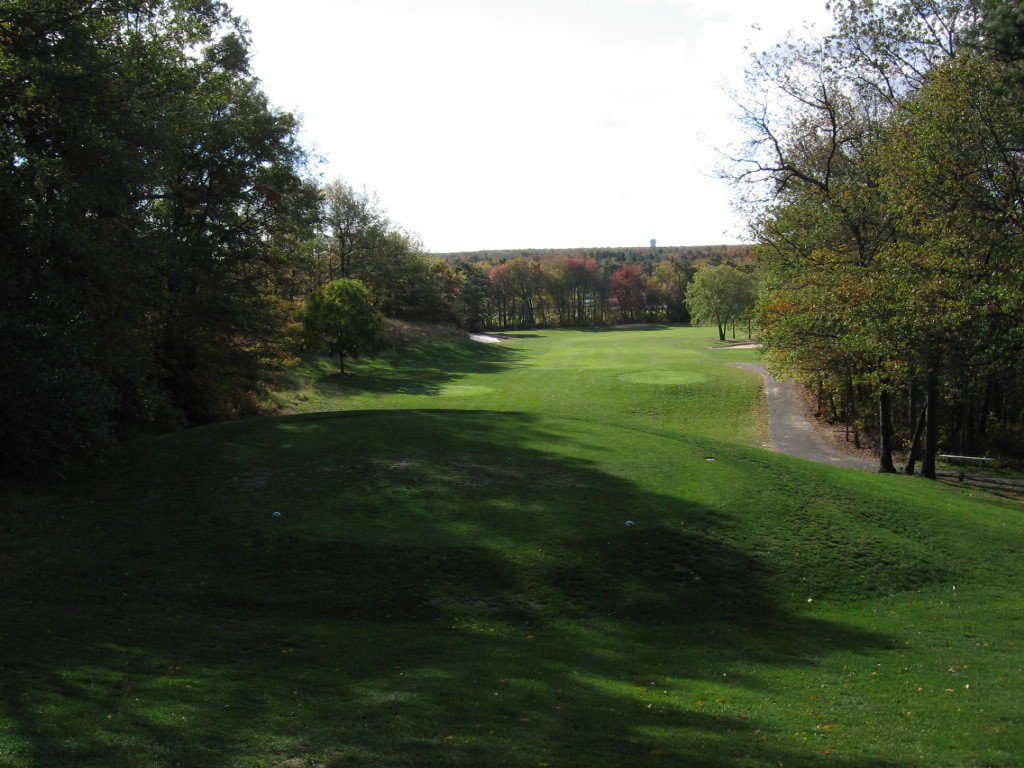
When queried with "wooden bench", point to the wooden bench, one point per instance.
{"points": [[965, 459]]}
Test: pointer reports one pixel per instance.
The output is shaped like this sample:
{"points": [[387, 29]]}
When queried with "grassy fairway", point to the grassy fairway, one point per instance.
{"points": [[451, 581]]}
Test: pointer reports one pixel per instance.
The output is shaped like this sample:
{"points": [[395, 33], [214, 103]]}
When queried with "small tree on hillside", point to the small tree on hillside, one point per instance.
{"points": [[340, 319], [720, 295]]}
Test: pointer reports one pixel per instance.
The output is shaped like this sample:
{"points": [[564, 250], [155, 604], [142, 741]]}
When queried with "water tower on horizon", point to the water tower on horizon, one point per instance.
{"points": [[654, 243]]}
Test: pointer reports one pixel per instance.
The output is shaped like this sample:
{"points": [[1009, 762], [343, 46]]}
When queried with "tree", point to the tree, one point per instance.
{"points": [[629, 290], [719, 295], [583, 276], [224, 221], [363, 244], [882, 178], [955, 180], [352, 217], [147, 191], [391, 265], [340, 319], [437, 289], [526, 279], [668, 283], [475, 304], [502, 294]]}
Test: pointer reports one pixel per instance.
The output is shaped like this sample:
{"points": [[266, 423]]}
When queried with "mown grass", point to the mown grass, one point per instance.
{"points": [[430, 564]]}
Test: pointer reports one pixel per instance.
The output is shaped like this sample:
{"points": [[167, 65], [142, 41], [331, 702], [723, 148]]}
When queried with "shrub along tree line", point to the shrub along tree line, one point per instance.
{"points": [[884, 178]]}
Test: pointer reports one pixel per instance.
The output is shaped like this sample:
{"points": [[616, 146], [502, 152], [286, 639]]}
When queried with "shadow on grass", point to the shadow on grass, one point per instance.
{"points": [[626, 328], [513, 335], [423, 369], [510, 335], [435, 589]]}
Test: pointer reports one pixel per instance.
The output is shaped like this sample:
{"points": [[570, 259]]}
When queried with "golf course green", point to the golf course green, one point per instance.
{"points": [[568, 549]]}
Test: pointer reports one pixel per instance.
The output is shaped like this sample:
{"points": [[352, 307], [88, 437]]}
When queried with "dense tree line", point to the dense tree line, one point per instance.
{"points": [[641, 256], [590, 286], [884, 176], [148, 194], [578, 291], [160, 231]]}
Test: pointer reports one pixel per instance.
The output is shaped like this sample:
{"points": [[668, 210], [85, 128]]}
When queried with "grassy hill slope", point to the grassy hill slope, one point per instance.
{"points": [[515, 555]]}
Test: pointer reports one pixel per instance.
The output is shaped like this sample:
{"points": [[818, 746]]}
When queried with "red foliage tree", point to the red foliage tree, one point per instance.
{"points": [[629, 292]]}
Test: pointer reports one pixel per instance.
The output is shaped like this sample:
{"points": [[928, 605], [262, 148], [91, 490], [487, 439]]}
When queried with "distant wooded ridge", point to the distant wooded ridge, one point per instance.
{"points": [[713, 254]]}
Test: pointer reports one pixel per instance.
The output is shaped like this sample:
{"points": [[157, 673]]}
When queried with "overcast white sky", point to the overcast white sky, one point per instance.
{"points": [[522, 123]]}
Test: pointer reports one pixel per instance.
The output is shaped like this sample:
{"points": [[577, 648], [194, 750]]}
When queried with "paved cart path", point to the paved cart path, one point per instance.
{"points": [[791, 428]]}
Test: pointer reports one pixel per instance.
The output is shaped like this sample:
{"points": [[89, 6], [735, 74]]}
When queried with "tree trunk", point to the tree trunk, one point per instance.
{"points": [[915, 443], [963, 446], [721, 332], [931, 443], [341, 364], [851, 413], [844, 405], [986, 407], [911, 402], [885, 433]]}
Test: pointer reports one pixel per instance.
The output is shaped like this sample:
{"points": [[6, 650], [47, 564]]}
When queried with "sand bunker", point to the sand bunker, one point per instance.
{"points": [[483, 338]]}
